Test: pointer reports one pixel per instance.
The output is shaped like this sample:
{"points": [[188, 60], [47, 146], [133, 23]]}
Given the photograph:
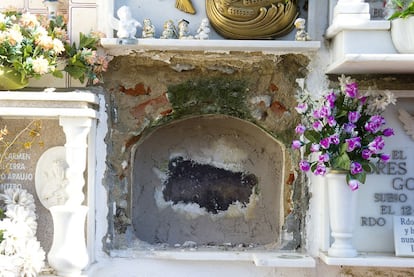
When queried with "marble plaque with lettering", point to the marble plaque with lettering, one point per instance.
{"points": [[389, 191], [18, 162], [404, 235]]}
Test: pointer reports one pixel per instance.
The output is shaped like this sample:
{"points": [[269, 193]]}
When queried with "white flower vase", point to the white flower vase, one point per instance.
{"points": [[68, 254], [402, 34], [342, 211]]}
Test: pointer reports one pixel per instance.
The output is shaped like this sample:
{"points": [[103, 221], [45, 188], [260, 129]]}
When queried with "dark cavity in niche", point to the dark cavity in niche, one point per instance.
{"points": [[214, 189]]}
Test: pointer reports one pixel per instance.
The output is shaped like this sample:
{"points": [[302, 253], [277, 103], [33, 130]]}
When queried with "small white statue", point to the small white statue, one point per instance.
{"points": [[127, 25], [183, 32], [148, 31], [301, 34], [169, 31], [204, 30]]}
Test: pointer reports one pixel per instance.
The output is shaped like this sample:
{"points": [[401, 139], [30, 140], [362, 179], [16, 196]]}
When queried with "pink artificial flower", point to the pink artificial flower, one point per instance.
{"points": [[385, 158], [301, 108], [331, 98], [353, 184], [388, 132], [331, 121], [349, 128], [296, 144], [366, 154], [353, 143], [355, 168], [325, 143], [324, 158], [300, 129], [353, 117], [376, 145], [334, 139], [320, 169], [317, 126], [315, 147], [304, 165], [352, 90]]}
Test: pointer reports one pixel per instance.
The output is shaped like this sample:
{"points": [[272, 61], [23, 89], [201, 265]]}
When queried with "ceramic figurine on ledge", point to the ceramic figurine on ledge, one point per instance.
{"points": [[169, 30], [127, 26], [204, 30], [52, 8], [301, 34], [148, 31], [183, 32]]}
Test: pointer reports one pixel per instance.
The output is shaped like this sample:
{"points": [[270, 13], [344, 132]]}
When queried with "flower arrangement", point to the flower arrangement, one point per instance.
{"points": [[31, 46], [343, 130], [20, 251]]}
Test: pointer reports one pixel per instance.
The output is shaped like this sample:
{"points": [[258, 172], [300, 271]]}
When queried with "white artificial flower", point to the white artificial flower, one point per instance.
{"points": [[29, 20], [10, 265], [33, 258], [16, 196], [40, 65], [379, 100], [20, 215], [58, 46]]}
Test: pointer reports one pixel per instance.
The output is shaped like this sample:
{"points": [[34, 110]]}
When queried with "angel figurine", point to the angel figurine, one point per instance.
{"points": [[148, 31], [169, 30], [126, 26], [183, 31], [204, 30], [301, 34]]}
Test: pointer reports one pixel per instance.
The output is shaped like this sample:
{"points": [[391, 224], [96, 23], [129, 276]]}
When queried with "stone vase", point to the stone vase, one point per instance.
{"points": [[342, 212], [68, 254], [402, 34]]}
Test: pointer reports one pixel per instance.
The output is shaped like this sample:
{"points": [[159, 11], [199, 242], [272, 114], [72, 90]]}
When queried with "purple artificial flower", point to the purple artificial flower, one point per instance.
{"points": [[355, 168], [317, 126], [353, 143], [296, 144], [304, 165], [366, 154], [324, 158], [331, 98], [325, 143], [376, 145], [334, 139], [331, 121], [349, 128], [374, 123], [385, 158], [301, 108], [353, 117], [317, 114], [300, 129], [320, 169], [353, 184], [388, 132], [315, 147], [352, 90], [325, 111]]}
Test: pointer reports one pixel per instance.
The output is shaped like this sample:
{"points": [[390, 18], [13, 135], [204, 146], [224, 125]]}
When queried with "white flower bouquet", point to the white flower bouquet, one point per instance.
{"points": [[20, 251]]}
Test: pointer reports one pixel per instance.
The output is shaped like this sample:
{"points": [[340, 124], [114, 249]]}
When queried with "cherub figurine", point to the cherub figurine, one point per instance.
{"points": [[126, 25], [169, 30], [183, 32], [204, 30], [301, 34], [148, 31]]}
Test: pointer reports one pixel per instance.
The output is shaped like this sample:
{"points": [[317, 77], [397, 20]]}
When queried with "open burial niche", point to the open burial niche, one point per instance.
{"points": [[211, 180]]}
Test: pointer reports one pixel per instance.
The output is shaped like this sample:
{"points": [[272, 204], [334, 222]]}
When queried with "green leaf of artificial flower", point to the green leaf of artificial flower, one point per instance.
{"points": [[341, 162]]}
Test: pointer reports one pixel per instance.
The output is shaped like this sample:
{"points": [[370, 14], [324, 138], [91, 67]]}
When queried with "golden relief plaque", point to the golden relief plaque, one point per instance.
{"points": [[252, 19]]}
